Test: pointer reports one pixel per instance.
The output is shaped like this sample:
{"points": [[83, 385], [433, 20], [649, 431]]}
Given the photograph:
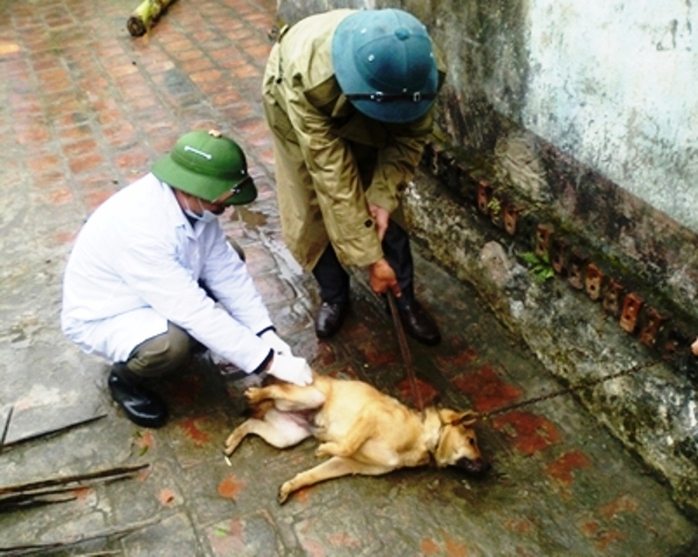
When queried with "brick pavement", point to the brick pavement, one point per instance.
{"points": [[85, 110]]}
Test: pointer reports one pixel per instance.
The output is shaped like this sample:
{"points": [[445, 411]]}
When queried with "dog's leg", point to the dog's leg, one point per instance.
{"points": [[287, 397], [238, 434], [335, 467], [277, 429]]}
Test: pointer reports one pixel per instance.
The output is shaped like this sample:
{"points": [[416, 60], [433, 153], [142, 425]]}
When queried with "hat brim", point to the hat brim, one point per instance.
{"points": [[168, 171], [350, 80]]}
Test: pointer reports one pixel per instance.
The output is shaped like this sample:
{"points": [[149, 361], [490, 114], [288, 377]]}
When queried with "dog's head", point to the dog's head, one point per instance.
{"points": [[457, 444]]}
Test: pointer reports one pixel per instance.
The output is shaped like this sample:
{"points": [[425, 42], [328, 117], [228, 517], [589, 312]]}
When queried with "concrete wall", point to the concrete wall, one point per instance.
{"points": [[609, 84], [576, 119]]}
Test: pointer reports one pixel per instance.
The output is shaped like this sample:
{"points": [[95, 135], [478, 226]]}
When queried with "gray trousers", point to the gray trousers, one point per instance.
{"points": [[161, 355]]}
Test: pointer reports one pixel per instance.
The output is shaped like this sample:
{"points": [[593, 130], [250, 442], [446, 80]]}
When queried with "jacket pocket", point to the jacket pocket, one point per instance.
{"points": [[278, 121]]}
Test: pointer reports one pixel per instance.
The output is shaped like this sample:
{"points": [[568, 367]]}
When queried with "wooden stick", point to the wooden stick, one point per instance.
{"points": [[55, 431], [47, 492], [17, 502], [81, 538], [6, 428], [405, 351], [100, 474]]}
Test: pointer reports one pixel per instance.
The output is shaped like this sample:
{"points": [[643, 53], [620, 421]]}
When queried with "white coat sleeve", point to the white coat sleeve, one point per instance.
{"points": [[150, 267], [227, 278]]}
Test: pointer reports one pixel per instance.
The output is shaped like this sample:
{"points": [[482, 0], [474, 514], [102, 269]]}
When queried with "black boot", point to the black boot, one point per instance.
{"points": [[329, 318], [142, 407], [419, 324]]}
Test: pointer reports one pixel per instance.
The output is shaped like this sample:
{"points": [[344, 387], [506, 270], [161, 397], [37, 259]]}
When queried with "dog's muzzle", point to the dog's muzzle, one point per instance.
{"points": [[478, 466]]}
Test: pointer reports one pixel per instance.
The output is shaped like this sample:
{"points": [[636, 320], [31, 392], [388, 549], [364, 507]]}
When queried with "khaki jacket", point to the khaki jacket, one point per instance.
{"points": [[331, 160]]}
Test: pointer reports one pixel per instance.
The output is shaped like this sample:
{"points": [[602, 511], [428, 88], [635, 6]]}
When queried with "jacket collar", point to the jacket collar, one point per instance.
{"points": [[174, 212]]}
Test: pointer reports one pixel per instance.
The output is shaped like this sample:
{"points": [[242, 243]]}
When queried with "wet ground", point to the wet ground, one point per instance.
{"points": [[84, 110]]}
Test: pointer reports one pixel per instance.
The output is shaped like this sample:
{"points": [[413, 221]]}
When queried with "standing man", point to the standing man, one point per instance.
{"points": [[152, 276], [348, 97]]}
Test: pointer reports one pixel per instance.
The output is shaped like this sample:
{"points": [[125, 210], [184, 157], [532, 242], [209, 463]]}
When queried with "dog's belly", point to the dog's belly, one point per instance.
{"points": [[293, 426], [304, 419]]}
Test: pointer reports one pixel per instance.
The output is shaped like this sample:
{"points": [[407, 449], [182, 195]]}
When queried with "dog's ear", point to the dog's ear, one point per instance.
{"points": [[466, 419]]}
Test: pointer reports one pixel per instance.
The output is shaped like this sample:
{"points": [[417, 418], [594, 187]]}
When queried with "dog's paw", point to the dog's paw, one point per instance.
{"points": [[328, 449], [254, 395], [284, 492], [234, 440], [229, 449]]}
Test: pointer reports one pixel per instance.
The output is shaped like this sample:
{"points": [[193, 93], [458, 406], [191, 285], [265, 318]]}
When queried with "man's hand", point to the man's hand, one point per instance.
{"points": [[382, 278], [381, 216], [694, 347], [291, 369]]}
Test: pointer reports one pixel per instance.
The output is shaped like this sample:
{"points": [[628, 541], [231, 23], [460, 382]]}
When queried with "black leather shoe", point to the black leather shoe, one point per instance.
{"points": [[141, 406], [419, 324], [329, 318]]}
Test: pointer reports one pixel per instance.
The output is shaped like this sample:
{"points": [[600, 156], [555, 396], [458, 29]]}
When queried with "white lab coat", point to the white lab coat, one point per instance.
{"points": [[136, 265]]}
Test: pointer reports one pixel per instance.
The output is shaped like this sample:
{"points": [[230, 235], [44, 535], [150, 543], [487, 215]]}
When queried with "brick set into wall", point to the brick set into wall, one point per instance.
{"points": [[653, 320]]}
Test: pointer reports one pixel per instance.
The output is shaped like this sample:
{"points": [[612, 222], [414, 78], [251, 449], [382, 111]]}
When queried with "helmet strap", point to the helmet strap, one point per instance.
{"points": [[380, 97]]}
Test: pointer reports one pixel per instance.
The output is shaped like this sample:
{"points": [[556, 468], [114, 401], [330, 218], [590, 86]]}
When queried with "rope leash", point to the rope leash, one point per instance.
{"points": [[584, 385]]}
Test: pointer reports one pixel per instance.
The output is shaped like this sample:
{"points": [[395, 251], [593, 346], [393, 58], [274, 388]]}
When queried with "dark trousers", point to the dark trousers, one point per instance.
{"points": [[334, 280]]}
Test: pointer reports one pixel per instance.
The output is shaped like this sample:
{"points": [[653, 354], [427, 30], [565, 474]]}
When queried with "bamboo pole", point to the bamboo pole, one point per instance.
{"points": [[145, 16]]}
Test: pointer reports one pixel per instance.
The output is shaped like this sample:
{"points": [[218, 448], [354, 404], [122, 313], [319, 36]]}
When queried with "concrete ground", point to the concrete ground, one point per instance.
{"points": [[84, 110]]}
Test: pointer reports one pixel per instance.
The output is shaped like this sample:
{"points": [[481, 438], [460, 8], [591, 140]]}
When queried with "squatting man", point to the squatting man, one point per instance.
{"points": [[151, 278]]}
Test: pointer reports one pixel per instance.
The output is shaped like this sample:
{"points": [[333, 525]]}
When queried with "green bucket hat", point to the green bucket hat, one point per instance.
{"points": [[384, 63], [207, 165]]}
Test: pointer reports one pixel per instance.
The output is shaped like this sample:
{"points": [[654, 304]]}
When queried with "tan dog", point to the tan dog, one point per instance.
{"points": [[362, 430]]}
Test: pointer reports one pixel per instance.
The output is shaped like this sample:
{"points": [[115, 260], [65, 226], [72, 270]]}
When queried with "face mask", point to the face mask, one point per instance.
{"points": [[206, 216]]}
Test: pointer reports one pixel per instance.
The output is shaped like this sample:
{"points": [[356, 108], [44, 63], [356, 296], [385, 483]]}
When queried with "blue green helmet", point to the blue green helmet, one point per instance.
{"points": [[385, 65]]}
